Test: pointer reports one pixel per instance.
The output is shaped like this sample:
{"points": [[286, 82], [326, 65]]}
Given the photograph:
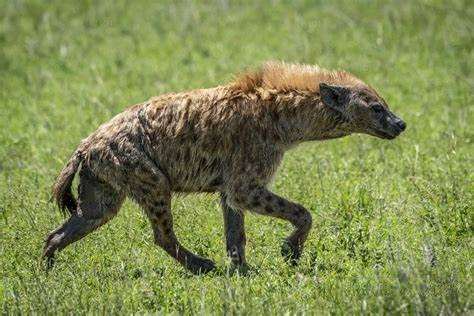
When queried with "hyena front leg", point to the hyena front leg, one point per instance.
{"points": [[151, 190], [234, 233], [259, 200]]}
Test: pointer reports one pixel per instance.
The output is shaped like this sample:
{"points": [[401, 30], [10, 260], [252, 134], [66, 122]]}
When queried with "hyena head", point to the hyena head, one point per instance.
{"points": [[363, 109]]}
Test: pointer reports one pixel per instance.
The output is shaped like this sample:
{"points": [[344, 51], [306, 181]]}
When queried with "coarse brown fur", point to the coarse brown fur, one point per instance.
{"points": [[285, 77], [229, 139]]}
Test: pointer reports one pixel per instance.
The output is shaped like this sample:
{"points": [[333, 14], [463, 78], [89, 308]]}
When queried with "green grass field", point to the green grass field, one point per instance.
{"points": [[393, 220]]}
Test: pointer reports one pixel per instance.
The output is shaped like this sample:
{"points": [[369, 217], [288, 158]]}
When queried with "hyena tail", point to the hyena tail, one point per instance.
{"points": [[62, 187]]}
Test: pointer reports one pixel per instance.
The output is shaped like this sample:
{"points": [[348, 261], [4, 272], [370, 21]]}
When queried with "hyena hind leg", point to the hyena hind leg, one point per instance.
{"points": [[151, 190], [97, 204]]}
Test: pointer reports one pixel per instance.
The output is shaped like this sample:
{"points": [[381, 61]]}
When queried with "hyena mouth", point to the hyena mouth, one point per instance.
{"points": [[386, 135]]}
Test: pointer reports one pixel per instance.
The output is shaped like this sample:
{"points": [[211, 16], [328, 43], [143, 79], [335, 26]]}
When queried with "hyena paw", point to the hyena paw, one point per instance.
{"points": [[290, 252], [198, 265], [48, 257], [235, 258]]}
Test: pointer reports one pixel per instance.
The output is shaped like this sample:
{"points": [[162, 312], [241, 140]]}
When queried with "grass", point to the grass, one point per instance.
{"points": [[393, 221]]}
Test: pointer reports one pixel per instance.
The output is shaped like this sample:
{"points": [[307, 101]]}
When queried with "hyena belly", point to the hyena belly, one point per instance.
{"points": [[191, 170]]}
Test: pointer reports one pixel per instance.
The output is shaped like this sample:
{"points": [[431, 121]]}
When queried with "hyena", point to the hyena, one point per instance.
{"points": [[229, 139]]}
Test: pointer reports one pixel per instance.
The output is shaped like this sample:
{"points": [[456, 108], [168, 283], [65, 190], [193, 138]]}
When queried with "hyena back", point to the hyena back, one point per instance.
{"points": [[228, 139]]}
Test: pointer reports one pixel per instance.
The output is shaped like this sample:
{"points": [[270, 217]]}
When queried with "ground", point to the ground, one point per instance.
{"points": [[393, 220]]}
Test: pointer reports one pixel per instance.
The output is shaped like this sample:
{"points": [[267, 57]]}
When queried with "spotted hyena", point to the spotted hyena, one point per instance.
{"points": [[229, 139]]}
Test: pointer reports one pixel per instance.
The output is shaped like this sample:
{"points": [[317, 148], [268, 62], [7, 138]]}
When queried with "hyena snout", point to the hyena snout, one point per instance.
{"points": [[402, 125], [388, 126], [396, 125]]}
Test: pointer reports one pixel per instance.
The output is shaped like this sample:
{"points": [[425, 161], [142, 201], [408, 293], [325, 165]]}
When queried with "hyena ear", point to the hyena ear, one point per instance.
{"points": [[336, 97]]}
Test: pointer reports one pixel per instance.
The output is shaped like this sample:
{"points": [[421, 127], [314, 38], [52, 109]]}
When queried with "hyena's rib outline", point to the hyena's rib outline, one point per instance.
{"points": [[228, 139]]}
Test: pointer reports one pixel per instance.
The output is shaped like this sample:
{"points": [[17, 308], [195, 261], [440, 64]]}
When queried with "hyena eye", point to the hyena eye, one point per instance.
{"points": [[377, 107]]}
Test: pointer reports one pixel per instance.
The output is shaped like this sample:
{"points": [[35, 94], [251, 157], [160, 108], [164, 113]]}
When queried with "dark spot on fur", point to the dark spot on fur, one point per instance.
{"points": [[202, 163], [236, 186], [252, 187], [219, 180], [268, 198], [300, 210], [281, 202], [113, 146], [214, 164], [187, 154], [239, 199], [256, 203], [149, 183], [259, 192], [268, 209], [167, 231], [145, 191]]}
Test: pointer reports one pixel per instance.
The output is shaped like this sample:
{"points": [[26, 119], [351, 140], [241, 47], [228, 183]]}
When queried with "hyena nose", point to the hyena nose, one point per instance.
{"points": [[401, 124]]}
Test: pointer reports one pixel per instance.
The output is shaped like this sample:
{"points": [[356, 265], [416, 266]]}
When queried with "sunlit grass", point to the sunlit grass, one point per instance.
{"points": [[392, 220]]}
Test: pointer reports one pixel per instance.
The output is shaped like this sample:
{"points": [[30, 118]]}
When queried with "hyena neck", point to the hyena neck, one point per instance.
{"points": [[304, 119]]}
